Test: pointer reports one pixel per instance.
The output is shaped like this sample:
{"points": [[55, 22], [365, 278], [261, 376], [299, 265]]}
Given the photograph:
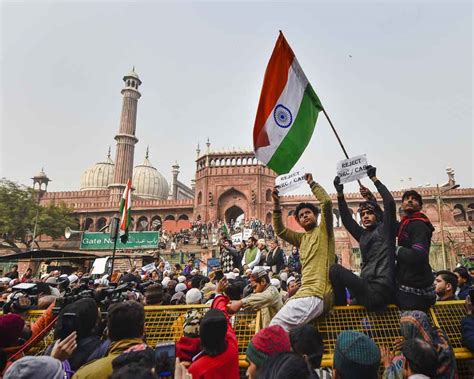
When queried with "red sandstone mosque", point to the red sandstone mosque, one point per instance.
{"points": [[227, 184]]}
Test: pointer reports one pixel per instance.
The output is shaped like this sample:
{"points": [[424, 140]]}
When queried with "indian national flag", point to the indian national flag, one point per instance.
{"points": [[125, 212], [287, 111]]}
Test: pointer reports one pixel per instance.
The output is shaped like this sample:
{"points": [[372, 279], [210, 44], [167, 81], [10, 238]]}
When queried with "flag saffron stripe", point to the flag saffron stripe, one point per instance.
{"points": [[274, 82]]}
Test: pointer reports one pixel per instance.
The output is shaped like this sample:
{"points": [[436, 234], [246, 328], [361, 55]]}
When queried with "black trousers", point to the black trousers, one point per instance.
{"points": [[409, 301], [374, 298]]}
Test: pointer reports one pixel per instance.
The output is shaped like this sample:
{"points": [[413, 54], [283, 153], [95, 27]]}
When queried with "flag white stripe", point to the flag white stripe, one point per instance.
{"points": [[291, 98]]}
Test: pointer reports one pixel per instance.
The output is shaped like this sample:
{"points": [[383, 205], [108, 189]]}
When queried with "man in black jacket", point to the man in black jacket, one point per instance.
{"points": [[275, 257], [413, 272], [375, 287]]}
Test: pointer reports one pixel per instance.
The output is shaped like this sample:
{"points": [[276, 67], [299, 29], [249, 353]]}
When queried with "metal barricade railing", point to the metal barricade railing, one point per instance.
{"points": [[165, 323]]}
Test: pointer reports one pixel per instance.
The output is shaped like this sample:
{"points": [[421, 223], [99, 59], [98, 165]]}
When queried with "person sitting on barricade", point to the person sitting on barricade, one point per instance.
{"points": [[317, 250], [375, 287]]}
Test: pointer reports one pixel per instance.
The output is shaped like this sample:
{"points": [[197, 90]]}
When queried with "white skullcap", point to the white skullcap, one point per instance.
{"points": [[73, 278], [181, 279], [290, 279], [5, 280], [262, 241], [180, 287], [103, 282], [230, 275], [275, 282], [236, 271], [165, 281], [193, 296], [283, 276], [194, 272]]}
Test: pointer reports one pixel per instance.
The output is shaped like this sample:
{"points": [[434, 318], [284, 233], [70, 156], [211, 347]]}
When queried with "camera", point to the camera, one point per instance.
{"points": [[16, 303]]}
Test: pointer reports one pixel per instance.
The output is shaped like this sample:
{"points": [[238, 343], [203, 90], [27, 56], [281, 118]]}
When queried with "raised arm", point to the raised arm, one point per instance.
{"points": [[349, 223], [326, 205], [389, 207], [281, 231]]}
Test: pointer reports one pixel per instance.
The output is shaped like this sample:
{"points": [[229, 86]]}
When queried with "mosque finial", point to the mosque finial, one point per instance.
{"points": [[133, 68], [108, 153], [147, 152]]}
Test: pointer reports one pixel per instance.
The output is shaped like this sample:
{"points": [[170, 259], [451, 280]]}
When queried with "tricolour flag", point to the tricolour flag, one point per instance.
{"points": [[125, 212], [287, 111]]}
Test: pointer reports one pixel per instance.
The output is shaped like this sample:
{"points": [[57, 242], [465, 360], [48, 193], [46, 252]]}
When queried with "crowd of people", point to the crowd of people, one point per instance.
{"points": [[99, 332]]}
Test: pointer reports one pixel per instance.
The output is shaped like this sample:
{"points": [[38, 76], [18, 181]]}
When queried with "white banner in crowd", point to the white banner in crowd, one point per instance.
{"points": [[352, 169], [288, 182], [247, 234], [98, 267], [237, 238], [149, 267]]}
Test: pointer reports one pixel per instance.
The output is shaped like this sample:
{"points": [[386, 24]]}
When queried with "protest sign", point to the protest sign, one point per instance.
{"points": [[149, 267], [247, 234], [288, 182], [237, 238], [352, 169]]}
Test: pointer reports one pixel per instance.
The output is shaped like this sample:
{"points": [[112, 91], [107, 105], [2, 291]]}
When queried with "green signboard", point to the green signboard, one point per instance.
{"points": [[136, 240]]}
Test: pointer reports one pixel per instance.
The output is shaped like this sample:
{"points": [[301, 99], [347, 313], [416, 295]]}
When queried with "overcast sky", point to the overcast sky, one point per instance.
{"points": [[395, 77]]}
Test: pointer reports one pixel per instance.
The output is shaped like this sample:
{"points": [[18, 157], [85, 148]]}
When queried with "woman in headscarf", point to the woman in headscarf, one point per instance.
{"points": [[415, 324]]}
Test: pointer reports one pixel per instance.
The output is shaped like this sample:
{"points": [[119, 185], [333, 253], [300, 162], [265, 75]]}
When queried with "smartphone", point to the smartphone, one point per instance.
{"points": [[165, 357], [219, 275]]}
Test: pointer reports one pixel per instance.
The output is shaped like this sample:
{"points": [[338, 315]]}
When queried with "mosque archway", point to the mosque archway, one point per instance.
{"points": [[233, 213]]}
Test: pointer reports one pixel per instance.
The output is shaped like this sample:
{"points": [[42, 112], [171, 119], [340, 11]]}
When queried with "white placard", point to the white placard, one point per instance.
{"points": [[288, 182], [237, 238], [352, 169], [149, 267], [247, 234], [98, 267]]}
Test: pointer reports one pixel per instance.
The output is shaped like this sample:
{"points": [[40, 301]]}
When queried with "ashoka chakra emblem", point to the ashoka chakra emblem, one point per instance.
{"points": [[282, 116]]}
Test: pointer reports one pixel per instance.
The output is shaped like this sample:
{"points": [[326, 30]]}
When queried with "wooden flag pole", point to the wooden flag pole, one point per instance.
{"points": [[338, 139]]}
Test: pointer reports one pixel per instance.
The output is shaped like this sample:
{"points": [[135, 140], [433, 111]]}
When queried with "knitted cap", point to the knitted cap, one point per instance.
{"points": [[212, 330], [30, 367], [267, 342], [356, 352], [11, 326]]}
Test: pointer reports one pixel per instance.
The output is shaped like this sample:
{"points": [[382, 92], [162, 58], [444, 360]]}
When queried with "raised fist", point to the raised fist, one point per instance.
{"points": [[371, 170], [337, 185]]}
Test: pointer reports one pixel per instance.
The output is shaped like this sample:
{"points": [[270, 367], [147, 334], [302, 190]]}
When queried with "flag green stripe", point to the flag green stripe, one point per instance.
{"points": [[295, 142]]}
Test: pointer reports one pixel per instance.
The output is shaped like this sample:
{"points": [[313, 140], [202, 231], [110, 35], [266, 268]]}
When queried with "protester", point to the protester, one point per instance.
{"points": [[464, 282], [32, 367], [219, 355], [252, 255], [308, 343], [230, 257], [285, 366], [317, 255], [446, 283], [13, 273], [356, 356], [415, 324], [294, 263], [375, 287], [264, 298], [276, 257], [267, 342], [125, 323], [467, 325], [413, 271]]}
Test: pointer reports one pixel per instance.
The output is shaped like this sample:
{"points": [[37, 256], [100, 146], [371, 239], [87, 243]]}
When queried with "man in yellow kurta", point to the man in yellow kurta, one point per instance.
{"points": [[317, 247]]}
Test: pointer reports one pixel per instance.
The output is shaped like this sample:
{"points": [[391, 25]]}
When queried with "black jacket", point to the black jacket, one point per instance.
{"points": [[377, 245], [276, 258], [413, 264]]}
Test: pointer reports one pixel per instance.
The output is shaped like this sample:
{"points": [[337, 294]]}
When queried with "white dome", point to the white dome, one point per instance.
{"points": [[148, 182], [98, 176]]}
